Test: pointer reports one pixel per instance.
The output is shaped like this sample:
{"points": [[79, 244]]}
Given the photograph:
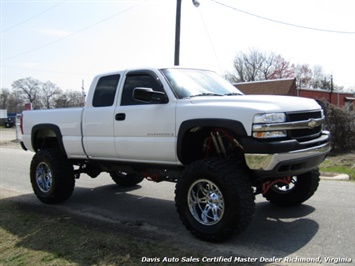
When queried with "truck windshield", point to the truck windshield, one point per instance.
{"points": [[188, 83]]}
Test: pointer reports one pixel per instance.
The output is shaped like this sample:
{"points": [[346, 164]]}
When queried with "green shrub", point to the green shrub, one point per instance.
{"points": [[341, 124]]}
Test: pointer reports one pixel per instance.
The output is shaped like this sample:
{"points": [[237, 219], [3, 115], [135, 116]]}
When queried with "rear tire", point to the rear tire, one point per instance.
{"points": [[52, 176], [301, 188], [126, 179], [214, 199]]}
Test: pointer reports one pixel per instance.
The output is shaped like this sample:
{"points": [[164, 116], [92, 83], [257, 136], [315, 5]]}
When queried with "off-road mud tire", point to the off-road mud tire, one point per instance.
{"points": [[52, 176], [236, 198], [303, 187]]}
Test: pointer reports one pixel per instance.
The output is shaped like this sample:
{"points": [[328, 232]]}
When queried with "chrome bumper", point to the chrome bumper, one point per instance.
{"points": [[268, 162]]}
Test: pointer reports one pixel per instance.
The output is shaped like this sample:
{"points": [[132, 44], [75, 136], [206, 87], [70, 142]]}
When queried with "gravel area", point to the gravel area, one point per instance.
{"points": [[9, 137]]}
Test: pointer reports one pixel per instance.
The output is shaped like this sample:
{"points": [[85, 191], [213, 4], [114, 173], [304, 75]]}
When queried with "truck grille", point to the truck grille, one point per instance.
{"points": [[304, 134]]}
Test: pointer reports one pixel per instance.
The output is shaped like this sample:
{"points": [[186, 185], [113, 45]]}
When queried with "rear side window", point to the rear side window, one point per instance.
{"points": [[105, 91]]}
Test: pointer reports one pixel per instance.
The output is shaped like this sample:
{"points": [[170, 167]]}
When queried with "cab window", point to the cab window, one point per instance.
{"points": [[135, 80], [105, 91]]}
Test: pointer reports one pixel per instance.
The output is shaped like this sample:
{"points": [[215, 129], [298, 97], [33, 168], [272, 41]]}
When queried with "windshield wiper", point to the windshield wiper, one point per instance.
{"points": [[233, 93], [206, 94]]}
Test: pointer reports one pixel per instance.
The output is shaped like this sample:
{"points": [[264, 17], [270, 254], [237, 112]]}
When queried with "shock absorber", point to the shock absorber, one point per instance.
{"points": [[218, 144], [216, 138], [215, 143], [221, 144]]}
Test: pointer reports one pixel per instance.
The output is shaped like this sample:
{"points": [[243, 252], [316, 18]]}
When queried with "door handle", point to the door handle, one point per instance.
{"points": [[120, 117]]}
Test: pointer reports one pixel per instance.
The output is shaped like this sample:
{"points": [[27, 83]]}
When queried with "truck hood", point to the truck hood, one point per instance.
{"points": [[262, 103]]}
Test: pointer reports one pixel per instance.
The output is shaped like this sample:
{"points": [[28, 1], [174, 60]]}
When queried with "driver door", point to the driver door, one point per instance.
{"points": [[144, 131]]}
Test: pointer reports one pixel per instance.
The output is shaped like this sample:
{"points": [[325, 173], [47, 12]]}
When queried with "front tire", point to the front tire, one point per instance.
{"points": [[52, 176], [214, 199], [301, 188]]}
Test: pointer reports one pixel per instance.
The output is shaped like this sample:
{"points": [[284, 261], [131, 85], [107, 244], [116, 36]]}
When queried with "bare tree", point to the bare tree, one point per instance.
{"points": [[253, 62], [69, 99], [303, 75], [40, 94], [247, 66], [15, 103], [240, 70], [256, 65], [319, 79], [280, 68], [29, 88], [11, 100], [4, 98], [49, 90], [268, 68]]}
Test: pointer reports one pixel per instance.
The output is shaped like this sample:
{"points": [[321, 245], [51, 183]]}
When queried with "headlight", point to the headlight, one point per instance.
{"points": [[269, 118], [261, 124]]}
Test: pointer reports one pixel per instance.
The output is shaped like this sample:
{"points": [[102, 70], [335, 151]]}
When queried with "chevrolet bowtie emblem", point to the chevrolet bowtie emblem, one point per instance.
{"points": [[312, 123]]}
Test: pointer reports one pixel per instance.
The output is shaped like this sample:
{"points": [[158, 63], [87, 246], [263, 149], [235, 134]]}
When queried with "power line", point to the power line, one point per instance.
{"points": [[69, 35], [48, 70], [33, 17], [282, 22], [210, 39]]}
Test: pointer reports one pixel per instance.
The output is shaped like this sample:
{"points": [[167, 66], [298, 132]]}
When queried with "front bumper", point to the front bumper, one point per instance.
{"points": [[289, 163]]}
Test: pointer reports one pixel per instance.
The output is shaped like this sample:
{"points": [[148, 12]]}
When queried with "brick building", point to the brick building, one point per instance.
{"points": [[288, 87]]}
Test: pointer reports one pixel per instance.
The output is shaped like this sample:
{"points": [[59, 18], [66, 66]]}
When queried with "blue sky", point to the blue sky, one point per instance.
{"points": [[70, 41]]}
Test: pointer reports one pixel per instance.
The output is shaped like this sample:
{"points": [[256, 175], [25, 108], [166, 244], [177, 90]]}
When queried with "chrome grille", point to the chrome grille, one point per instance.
{"points": [[304, 134]]}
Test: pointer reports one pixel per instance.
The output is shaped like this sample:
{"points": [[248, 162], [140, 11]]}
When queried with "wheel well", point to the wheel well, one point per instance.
{"points": [[47, 136], [197, 143]]}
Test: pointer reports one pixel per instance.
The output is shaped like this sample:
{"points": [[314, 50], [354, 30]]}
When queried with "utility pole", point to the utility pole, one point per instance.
{"points": [[83, 92], [331, 89], [177, 30], [177, 33]]}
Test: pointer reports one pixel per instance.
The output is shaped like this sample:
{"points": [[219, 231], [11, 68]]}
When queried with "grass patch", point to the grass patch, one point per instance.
{"points": [[32, 236], [342, 164]]}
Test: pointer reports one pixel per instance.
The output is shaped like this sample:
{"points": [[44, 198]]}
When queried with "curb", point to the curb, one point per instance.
{"points": [[334, 176]]}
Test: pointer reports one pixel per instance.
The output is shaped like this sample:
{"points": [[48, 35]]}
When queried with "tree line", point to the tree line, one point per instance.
{"points": [[42, 95], [255, 65]]}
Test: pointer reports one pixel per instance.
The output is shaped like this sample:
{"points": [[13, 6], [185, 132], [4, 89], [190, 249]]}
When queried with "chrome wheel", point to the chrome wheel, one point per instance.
{"points": [[206, 202], [285, 188], [44, 178], [292, 191], [214, 198]]}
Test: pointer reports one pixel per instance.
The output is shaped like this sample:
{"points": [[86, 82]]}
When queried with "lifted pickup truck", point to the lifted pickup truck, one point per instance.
{"points": [[187, 126]]}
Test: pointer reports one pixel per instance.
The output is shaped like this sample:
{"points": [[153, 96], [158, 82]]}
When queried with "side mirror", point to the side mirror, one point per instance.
{"points": [[147, 95]]}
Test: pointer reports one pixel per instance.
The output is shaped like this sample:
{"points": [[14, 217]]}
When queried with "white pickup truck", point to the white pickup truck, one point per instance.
{"points": [[187, 126]]}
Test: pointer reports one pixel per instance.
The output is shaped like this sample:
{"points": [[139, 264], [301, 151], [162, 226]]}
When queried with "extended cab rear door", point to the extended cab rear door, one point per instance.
{"points": [[98, 118], [145, 132]]}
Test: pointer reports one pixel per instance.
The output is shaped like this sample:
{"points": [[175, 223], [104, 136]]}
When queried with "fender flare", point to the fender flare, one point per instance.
{"points": [[236, 126], [51, 127]]}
